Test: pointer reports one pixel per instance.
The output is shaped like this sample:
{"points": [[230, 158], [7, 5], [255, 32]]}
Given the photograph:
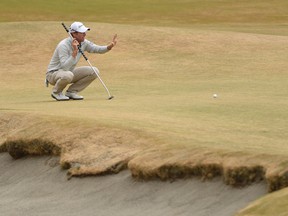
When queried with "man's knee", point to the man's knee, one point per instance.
{"points": [[94, 75], [67, 76]]}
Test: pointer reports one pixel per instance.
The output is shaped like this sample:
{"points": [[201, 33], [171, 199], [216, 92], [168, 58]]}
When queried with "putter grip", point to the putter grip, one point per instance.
{"points": [[65, 27], [78, 45]]}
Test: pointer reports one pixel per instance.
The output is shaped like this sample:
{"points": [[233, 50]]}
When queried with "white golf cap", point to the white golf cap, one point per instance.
{"points": [[78, 27]]}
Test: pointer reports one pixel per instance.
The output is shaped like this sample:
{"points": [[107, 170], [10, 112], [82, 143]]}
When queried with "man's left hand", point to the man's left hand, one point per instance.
{"points": [[113, 43]]}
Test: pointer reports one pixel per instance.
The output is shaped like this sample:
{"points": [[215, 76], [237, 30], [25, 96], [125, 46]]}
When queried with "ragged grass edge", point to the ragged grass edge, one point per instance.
{"points": [[235, 171], [145, 161], [39, 147], [21, 148], [234, 174], [237, 175]]}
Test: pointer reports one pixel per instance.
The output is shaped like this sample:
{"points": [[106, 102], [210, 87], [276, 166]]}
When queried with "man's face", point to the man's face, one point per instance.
{"points": [[80, 37]]}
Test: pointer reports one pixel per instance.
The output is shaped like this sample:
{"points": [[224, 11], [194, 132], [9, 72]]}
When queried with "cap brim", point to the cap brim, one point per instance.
{"points": [[83, 29]]}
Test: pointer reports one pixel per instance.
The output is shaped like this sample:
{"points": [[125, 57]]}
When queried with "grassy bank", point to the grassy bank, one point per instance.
{"points": [[271, 204]]}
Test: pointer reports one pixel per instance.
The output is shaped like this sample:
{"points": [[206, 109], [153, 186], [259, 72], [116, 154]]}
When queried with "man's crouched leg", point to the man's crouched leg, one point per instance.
{"points": [[83, 77]]}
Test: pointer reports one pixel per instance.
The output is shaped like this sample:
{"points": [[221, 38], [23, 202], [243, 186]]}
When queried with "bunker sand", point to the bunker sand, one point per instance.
{"points": [[38, 186]]}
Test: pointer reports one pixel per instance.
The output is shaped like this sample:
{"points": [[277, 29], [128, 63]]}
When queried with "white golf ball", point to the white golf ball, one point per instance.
{"points": [[215, 95]]}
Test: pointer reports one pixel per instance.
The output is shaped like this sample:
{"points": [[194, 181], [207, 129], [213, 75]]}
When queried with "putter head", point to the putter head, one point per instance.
{"points": [[110, 97]]}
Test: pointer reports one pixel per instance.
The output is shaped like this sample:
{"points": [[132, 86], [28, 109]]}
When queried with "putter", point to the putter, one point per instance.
{"points": [[85, 57]]}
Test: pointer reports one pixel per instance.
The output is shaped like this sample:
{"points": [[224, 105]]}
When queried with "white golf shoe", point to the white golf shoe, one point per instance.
{"points": [[59, 96], [74, 96]]}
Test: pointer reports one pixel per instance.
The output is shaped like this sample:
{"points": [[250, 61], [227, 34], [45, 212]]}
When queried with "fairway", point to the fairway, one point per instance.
{"points": [[164, 121]]}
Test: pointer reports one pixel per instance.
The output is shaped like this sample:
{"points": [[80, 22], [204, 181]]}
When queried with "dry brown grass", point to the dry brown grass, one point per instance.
{"points": [[86, 149], [236, 168], [19, 148], [98, 150]]}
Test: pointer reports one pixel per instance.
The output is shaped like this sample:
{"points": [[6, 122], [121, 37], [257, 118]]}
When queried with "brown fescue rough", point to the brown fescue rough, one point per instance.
{"points": [[20, 148]]}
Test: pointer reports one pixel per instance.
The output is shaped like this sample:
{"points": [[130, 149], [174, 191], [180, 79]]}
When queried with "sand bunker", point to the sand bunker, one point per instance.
{"points": [[38, 186]]}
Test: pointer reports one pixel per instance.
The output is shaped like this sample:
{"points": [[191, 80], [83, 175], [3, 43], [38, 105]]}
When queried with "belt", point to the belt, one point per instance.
{"points": [[52, 71]]}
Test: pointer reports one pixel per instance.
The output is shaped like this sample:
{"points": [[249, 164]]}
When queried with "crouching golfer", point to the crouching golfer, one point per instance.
{"points": [[61, 70]]}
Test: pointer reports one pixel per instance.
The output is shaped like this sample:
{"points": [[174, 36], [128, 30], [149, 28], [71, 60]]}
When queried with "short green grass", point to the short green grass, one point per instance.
{"points": [[156, 12], [171, 58]]}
